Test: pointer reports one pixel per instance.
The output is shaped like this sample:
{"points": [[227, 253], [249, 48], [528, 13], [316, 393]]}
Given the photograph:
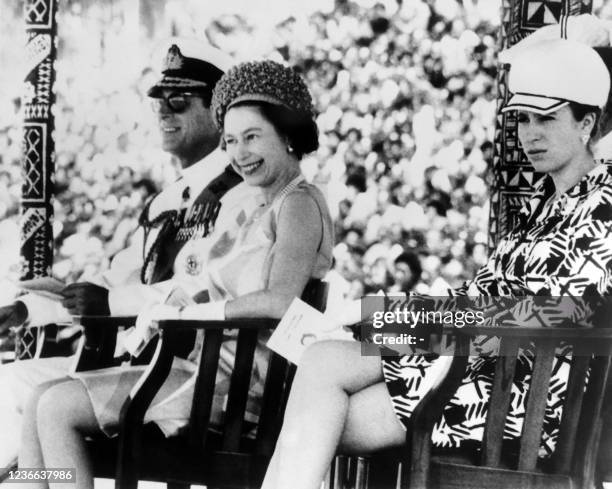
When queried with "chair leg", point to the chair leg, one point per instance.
{"points": [[398, 479], [4, 472], [338, 475], [361, 477]]}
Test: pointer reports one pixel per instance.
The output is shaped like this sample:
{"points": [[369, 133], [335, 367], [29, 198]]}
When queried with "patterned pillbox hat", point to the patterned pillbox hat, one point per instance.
{"points": [[261, 81]]}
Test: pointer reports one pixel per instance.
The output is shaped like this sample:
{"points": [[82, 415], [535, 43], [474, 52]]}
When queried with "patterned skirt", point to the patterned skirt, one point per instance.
{"points": [[410, 377]]}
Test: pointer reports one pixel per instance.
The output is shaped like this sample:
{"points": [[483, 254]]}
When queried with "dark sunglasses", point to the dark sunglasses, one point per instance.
{"points": [[177, 102]]}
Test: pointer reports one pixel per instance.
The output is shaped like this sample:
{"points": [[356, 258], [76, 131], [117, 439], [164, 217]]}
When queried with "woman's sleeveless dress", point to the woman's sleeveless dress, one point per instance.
{"points": [[239, 262]]}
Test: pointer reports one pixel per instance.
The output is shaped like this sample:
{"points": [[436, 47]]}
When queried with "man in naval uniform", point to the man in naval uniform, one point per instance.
{"points": [[174, 225]]}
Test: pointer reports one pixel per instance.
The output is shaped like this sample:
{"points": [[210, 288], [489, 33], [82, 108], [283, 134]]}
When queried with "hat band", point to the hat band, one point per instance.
{"points": [[180, 84], [258, 97], [539, 104], [548, 97], [195, 69]]}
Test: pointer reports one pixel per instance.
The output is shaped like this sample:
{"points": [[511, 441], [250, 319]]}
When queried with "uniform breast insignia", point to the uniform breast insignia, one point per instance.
{"points": [[194, 264], [200, 223]]}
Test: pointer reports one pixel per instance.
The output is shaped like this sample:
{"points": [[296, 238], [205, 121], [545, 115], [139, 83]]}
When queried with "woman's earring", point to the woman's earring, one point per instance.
{"points": [[585, 139], [289, 149]]}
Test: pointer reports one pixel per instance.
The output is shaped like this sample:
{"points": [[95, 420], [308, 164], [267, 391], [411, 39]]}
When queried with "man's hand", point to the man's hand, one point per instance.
{"points": [[13, 315], [86, 299]]}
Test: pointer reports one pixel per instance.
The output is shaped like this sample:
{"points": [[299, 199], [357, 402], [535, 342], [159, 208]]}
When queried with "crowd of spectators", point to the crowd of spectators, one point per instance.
{"points": [[406, 100]]}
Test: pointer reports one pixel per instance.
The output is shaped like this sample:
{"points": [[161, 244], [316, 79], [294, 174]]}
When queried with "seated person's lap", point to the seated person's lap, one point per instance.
{"points": [[18, 379]]}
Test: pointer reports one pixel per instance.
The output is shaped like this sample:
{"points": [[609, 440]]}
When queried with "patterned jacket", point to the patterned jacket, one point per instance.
{"points": [[561, 246]]}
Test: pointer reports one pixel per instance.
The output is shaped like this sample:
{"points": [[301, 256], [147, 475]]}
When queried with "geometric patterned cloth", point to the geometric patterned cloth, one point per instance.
{"points": [[38, 150]]}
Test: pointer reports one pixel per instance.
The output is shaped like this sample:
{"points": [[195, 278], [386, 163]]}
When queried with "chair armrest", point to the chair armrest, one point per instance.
{"points": [[237, 323], [97, 345], [534, 332], [107, 321]]}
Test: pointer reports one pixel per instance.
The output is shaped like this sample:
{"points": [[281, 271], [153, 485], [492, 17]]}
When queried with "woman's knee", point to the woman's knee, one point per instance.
{"points": [[328, 357], [371, 422], [31, 406], [318, 352], [30, 422], [65, 404], [340, 363]]}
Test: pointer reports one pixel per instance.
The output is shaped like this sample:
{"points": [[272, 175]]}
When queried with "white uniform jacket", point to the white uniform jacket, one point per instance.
{"points": [[127, 294]]}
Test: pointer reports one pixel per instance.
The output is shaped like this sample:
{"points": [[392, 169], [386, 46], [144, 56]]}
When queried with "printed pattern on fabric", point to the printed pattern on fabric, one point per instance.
{"points": [[38, 143], [562, 246]]}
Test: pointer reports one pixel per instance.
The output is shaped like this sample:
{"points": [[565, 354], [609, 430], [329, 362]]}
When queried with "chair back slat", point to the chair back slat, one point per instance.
{"points": [[271, 405], [279, 378], [289, 381], [205, 387], [591, 410], [239, 389], [96, 349], [572, 408], [315, 294], [536, 404], [499, 402]]}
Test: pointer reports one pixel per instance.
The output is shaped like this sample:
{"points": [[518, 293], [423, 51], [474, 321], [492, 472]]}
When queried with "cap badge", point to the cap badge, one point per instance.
{"points": [[174, 59]]}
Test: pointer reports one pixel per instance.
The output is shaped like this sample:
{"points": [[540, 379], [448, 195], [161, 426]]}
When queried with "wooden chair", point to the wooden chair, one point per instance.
{"points": [[234, 454], [54, 340], [498, 463], [96, 347]]}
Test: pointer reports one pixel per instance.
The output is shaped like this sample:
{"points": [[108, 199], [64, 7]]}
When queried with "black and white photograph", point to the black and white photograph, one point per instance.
{"points": [[322, 244]]}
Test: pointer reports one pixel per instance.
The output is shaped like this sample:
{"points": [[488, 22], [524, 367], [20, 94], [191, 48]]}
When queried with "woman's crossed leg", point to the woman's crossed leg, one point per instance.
{"points": [[338, 398]]}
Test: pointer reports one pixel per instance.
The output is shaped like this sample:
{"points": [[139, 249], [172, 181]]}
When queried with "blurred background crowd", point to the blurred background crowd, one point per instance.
{"points": [[406, 99]]}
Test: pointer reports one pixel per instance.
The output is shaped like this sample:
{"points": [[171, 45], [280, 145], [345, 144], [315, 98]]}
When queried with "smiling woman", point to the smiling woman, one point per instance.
{"points": [[257, 151], [267, 126]]}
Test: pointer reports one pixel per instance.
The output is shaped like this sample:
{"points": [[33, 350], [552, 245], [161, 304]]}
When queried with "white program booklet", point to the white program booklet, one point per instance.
{"points": [[301, 326], [49, 287]]}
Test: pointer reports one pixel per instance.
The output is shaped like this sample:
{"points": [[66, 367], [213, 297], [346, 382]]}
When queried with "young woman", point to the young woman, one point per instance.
{"points": [[562, 246], [255, 267]]}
